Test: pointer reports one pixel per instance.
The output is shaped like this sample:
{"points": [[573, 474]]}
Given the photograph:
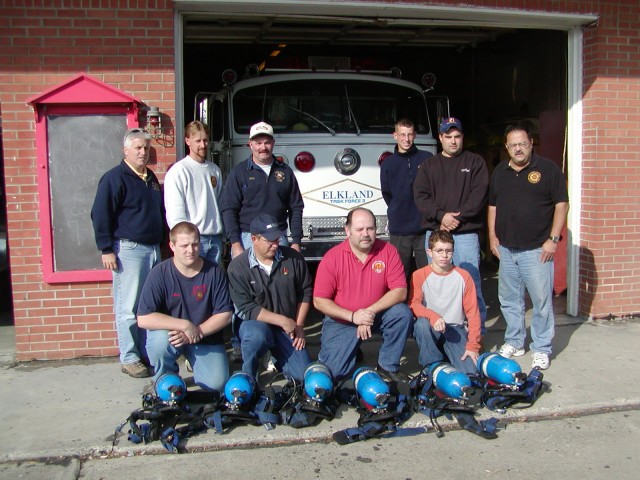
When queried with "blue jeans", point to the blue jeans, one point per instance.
{"points": [[520, 269], [466, 255], [135, 261], [258, 337], [209, 362], [211, 248], [437, 347], [339, 342], [245, 238]]}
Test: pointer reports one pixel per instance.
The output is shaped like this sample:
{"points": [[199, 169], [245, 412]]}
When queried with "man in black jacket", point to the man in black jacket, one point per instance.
{"points": [[397, 174], [452, 194], [271, 289]]}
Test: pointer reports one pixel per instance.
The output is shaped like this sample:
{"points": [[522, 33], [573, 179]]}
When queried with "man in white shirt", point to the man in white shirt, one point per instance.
{"points": [[192, 188]]}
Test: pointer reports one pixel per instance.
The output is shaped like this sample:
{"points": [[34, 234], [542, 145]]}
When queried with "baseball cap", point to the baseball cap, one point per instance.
{"points": [[449, 123], [261, 129], [267, 226]]}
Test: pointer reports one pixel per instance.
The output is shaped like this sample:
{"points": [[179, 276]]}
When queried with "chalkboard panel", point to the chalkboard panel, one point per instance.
{"points": [[81, 149]]}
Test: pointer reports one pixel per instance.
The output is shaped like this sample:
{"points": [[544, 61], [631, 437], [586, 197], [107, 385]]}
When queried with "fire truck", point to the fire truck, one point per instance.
{"points": [[333, 128]]}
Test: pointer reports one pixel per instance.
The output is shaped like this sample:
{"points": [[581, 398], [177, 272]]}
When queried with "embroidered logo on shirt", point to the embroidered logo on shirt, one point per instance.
{"points": [[279, 176], [465, 170], [214, 181], [378, 266], [285, 271], [534, 177], [198, 292]]}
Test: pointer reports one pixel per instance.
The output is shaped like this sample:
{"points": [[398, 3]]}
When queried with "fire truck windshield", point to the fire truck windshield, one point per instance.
{"points": [[329, 106]]}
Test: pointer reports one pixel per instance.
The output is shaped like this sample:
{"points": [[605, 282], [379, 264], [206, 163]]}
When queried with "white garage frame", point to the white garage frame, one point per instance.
{"points": [[416, 14]]}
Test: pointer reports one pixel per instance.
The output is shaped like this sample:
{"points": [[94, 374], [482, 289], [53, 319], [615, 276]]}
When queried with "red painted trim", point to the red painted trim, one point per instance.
{"points": [[109, 103]]}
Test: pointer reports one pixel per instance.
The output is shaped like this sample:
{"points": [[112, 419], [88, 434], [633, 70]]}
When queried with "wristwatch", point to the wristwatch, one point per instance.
{"points": [[554, 239]]}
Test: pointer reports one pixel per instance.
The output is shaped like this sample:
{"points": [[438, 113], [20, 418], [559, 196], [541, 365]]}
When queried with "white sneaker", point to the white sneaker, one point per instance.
{"points": [[187, 365], [540, 361], [508, 351], [269, 363]]}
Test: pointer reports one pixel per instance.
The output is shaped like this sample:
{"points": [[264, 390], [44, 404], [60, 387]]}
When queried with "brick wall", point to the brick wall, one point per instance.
{"points": [[610, 218], [129, 44]]}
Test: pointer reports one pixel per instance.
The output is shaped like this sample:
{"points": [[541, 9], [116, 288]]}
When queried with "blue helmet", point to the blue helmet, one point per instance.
{"points": [[240, 388], [170, 387]]}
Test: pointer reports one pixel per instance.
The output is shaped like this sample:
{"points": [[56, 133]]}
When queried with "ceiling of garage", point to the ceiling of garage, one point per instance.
{"points": [[333, 31]]}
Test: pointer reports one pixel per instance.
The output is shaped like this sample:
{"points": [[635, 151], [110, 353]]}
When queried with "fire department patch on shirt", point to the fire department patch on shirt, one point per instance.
{"points": [[534, 177], [198, 292], [279, 176], [214, 181], [378, 266]]}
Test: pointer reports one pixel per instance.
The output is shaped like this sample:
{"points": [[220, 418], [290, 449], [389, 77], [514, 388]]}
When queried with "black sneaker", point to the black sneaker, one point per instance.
{"points": [[236, 355], [395, 377]]}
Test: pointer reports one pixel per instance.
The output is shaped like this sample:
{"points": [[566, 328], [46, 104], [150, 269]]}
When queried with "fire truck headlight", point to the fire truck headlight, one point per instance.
{"points": [[304, 161], [383, 156], [347, 161]]}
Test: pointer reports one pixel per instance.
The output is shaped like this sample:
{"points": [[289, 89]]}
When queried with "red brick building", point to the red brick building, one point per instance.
{"points": [[137, 47]]}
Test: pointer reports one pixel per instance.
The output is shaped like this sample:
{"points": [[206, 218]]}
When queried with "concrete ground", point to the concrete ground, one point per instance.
{"points": [[64, 411]]}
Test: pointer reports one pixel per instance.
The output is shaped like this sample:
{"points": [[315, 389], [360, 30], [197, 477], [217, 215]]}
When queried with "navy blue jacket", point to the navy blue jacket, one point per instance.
{"points": [[127, 207], [397, 174], [248, 192]]}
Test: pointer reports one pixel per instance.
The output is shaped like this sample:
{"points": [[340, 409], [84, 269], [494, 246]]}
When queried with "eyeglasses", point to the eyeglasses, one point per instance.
{"points": [[270, 242], [513, 146], [442, 251]]}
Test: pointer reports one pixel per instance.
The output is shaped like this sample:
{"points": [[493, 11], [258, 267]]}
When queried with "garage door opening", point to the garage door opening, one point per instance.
{"points": [[509, 66]]}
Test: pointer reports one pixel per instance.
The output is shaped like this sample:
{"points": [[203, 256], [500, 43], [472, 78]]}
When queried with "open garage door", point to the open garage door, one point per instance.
{"points": [[496, 66]]}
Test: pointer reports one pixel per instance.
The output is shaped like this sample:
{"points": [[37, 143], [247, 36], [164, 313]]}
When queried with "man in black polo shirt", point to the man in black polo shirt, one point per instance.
{"points": [[271, 289], [528, 205]]}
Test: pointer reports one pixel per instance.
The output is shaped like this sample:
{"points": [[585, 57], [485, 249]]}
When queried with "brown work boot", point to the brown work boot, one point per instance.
{"points": [[135, 369]]}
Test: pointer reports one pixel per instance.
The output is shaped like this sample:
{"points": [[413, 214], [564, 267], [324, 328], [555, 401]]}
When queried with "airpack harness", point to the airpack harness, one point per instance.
{"points": [[498, 397], [298, 410], [428, 400], [259, 410], [373, 422], [159, 420]]}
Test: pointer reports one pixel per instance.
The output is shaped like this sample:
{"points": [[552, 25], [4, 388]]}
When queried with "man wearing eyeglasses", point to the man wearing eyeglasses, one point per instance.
{"points": [[528, 205], [128, 223], [444, 301], [397, 174], [451, 192], [271, 289]]}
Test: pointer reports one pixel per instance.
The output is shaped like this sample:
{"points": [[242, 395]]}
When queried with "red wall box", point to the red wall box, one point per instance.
{"points": [[84, 99]]}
